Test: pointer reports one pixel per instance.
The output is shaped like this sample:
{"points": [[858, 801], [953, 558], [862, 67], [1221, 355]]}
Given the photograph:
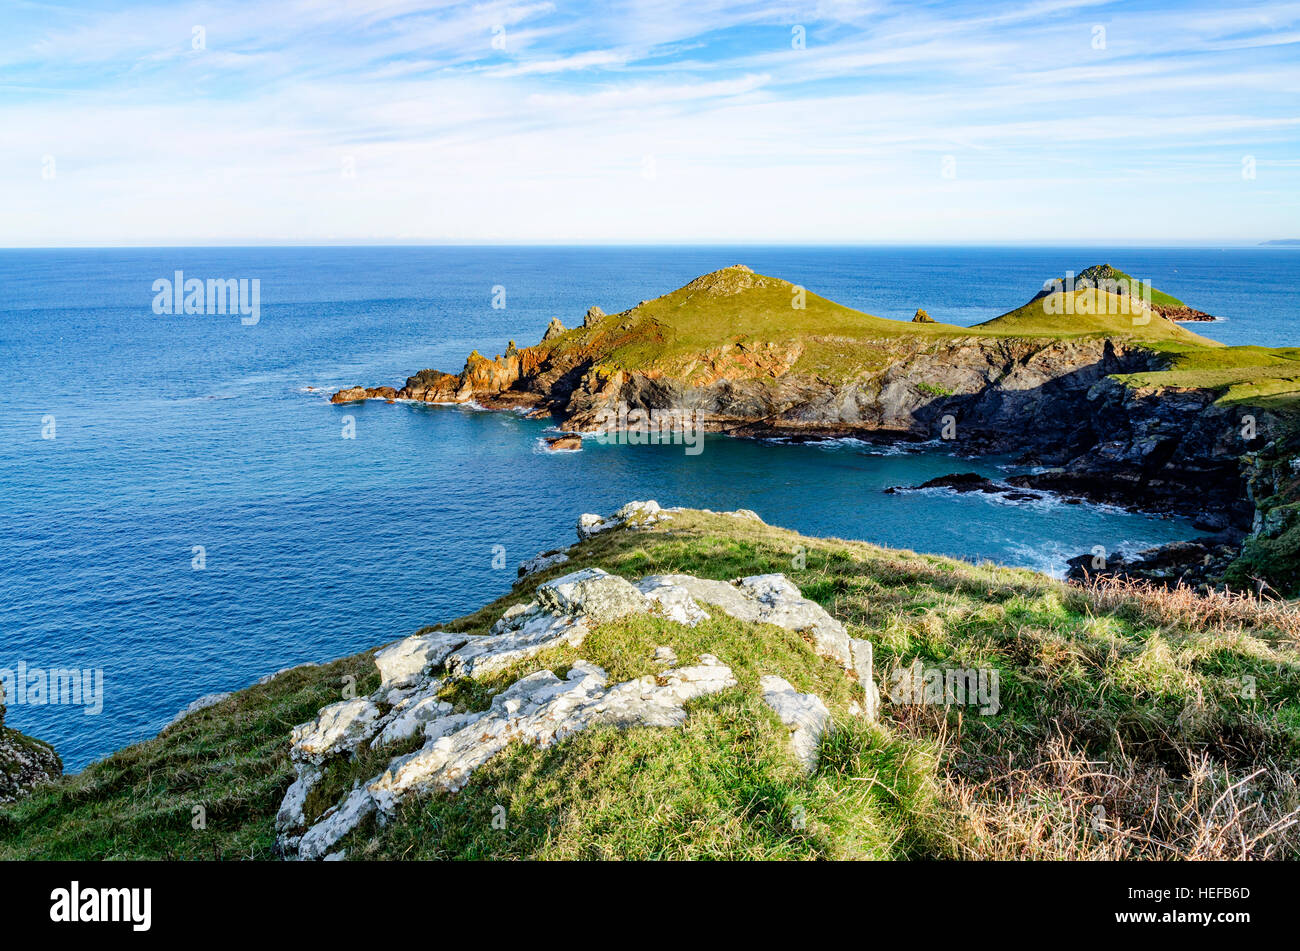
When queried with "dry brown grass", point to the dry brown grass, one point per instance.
{"points": [[1200, 611], [1057, 802]]}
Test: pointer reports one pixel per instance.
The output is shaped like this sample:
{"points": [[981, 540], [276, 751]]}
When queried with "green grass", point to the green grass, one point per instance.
{"points": [[1091, 312], [1105, 272], [739, 324], [1148, 696], [1268, 377]]}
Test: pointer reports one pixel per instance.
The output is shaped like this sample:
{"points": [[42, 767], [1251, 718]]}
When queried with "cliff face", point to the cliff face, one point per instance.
{"points": [[730, 349], [1051, 403], [24, 762]]}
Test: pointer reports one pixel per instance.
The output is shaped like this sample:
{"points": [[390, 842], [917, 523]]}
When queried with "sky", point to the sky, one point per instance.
{"points": [[542, 121]]}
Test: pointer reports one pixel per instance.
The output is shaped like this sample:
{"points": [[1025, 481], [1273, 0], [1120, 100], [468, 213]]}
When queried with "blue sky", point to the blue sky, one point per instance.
{"points": [[307, 121]]}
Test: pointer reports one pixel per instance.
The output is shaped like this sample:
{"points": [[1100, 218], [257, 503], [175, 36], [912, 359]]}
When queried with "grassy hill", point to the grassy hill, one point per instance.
{"points": [[1125, 730], [775, 326], [764, 326], [1261, 376], [1109, 277]]}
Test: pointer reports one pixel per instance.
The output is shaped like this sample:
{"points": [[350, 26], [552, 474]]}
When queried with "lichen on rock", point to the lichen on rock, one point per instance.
{"points": [[24, 762]]}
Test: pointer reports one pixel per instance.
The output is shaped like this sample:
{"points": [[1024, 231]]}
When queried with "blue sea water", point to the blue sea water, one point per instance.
{"points": [[173, 432]]}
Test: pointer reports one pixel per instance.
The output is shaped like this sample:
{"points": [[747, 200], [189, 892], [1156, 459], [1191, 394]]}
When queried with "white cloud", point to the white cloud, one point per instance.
{"points": [[547, 139]]}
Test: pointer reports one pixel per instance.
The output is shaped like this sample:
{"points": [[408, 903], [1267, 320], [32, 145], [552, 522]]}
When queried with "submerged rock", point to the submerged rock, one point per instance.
{"points": [[963, 482], [1196, 563], [353, 394]]}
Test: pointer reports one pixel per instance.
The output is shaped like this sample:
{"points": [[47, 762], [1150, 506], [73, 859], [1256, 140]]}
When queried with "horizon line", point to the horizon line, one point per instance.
{"points": [[1269, 244]]}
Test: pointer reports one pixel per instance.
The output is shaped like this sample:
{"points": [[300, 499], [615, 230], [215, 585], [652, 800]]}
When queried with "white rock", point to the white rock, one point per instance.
{"points": [[405, 662], [546, 559], [592, 593], [340, 727], [525, 711], [863, 663], [290, 817], [639, 511], [732, 601], [409, 717], [516, 616], [782, 604], [804, 713], [633, 515], [284, 670], [674, 600], [541, 709], [205, 701], [492, 652], [336, 823]]}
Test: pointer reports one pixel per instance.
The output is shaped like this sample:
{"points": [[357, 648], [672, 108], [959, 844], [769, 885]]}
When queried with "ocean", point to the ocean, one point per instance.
{"points": [[183, 510]]}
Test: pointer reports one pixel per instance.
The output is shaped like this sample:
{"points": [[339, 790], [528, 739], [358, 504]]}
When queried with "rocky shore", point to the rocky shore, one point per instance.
{"points": [[1066, 405]]}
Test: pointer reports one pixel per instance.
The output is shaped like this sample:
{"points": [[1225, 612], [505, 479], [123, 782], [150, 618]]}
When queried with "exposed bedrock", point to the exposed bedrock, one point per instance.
{"points": [[1048, 403], [25, 763]]}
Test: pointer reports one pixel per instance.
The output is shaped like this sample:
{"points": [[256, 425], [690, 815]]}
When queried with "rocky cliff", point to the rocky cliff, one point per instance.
{"points": [[1059, 384], [24, 762]]}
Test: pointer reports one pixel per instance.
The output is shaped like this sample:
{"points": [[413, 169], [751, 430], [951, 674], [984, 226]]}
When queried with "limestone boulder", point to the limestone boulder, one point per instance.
{"points": [[804, 713], [341, 727], [782, 604], [405, 662], [593, 594]]}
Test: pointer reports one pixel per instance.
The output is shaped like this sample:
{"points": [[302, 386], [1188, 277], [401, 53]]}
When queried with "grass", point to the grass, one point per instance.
{"points": [[1088, 311], [1266, 377], [738, 324], [1105, 272], [1134, 724]]}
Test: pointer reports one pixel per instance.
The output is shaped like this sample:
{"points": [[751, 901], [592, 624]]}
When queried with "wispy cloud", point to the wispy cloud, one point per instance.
{"points": [[225, 120]]}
